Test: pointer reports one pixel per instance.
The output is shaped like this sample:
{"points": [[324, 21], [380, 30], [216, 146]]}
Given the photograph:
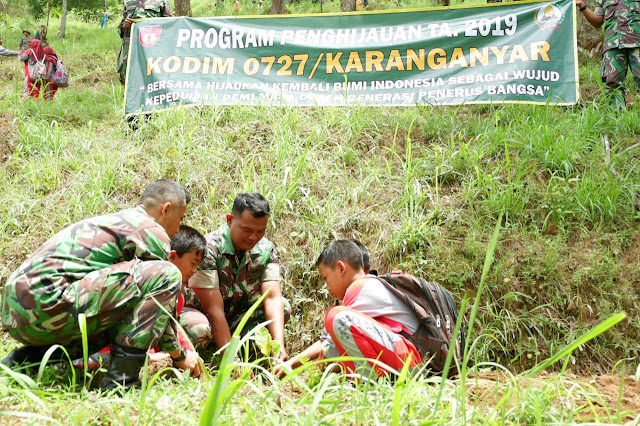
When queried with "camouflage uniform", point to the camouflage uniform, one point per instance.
{"points": [[238, 276], [621, 45], [24, 44], [110, 268], [137, 9]]}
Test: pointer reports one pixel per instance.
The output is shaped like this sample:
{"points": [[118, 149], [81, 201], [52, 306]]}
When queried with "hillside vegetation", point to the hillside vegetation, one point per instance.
{"points": [[422, 187]]}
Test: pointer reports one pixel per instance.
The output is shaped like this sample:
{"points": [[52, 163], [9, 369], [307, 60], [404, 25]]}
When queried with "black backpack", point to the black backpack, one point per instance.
{"points": [[437, 316]]}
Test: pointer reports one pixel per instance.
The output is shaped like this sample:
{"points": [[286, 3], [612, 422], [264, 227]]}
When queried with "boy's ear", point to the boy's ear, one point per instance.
{"points": [[173, 255], [341, 266]]}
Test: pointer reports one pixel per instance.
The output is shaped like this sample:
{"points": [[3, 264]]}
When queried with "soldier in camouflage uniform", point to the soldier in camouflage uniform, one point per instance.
{"points": [[136, 9], [621, 20], [238, 267], [24, 41], [114, 270]]}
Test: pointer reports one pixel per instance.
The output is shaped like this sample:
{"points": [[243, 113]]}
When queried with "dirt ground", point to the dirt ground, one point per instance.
{"points": [[603, 398]]}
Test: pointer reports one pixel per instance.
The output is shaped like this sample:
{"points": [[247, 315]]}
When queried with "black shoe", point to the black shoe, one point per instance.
{"points": [[124, 369], [24, 355]]}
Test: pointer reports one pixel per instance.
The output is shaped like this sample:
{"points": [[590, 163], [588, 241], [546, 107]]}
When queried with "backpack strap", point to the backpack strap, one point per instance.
{"points": [[407, 299], [427, 292]]}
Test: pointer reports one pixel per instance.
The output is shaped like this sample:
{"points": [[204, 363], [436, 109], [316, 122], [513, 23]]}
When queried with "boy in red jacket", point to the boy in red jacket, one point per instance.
{"points": [[370, 324]]}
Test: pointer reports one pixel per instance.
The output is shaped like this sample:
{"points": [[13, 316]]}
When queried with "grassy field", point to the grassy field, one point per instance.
{"points": [[423, 187]]}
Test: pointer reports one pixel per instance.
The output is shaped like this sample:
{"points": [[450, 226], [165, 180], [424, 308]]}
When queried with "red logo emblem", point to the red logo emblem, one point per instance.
{"points": [[150, 34]]}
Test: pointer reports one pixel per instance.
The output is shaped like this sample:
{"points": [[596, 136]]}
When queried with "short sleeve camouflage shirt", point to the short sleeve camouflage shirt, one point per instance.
{"points": [[84, 247], [238, 275], [621, 23]]}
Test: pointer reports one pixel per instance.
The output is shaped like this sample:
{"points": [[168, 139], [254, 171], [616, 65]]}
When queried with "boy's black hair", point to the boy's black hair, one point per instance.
{"points": [[188, 239], [366, 262], [341, 250], [163, 190], [257, 205]]}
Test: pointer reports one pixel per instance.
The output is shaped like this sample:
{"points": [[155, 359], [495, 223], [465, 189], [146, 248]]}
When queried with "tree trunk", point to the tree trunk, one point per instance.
{"points": [[63, 19], [348, 5], [182, 7], [277, 7], [48, 11]]}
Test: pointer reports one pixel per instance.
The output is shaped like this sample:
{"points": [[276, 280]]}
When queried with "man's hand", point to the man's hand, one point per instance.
{"points": [[191, 362], [282, 356], [579, 3], [282, 369], [127, 23]]}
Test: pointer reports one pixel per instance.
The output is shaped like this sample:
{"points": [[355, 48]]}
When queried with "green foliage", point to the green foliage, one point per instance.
{"points": [[39, 7], [265, 343], [4, 20], [423, 187]]}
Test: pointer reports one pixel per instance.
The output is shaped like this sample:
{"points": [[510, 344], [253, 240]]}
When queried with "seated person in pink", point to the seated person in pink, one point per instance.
{"points": [[367, 325]]}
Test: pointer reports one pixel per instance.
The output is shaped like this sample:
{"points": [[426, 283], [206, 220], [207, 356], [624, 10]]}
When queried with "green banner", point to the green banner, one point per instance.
{"points": [[523, 52]]}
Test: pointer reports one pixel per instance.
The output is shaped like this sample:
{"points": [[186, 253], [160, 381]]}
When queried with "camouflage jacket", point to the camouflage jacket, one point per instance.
{"points": [[136, 9], [238, 275], [621, 23], [74, 252], [24, 44]]}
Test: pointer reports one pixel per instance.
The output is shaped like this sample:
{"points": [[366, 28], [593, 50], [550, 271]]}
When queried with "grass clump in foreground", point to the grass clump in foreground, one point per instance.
{"points": [[421, 187], [246, 392]]}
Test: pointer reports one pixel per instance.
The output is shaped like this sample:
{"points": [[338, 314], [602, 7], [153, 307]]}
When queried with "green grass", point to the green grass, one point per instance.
{"points": [[423, 187]]}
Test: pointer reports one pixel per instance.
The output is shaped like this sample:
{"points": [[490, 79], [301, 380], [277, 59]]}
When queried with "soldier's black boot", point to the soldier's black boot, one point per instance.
{"points": [[24, 355], [124, 369]]}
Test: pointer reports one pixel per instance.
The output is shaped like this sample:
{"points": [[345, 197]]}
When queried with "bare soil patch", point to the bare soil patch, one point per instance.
{"points": [[7, 136], [607, 397]]}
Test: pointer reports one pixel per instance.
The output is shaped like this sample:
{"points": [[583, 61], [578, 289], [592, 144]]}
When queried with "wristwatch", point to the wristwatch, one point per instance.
{"points": [[182, 356], [583, 8]]}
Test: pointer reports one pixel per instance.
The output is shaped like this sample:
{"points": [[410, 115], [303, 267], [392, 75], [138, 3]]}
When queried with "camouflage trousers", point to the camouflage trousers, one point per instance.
{"points": [[123, 59], [120, 304], [196, 324], [615, 63]]}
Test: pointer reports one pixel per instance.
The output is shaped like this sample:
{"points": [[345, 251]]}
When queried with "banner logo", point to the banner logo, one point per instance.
{"points": [[150, 34], [548, 16]]}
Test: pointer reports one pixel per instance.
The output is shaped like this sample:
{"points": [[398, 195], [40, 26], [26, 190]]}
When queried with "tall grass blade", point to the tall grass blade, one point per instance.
{"points": [[215, 400], [319, 394], [22, 380], [488, 260], [82, 322], [32, 416], [450, 355], [591, 334], [47, 356]]}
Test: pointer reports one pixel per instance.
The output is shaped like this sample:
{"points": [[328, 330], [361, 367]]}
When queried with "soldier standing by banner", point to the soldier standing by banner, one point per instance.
{"points": [[136, 9], [621, 20], [112, 269]]}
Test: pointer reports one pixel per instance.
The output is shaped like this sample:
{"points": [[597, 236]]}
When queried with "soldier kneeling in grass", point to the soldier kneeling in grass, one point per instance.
{"points": [[187, 249], [239, 266], [114, 270], [395, 319]]}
